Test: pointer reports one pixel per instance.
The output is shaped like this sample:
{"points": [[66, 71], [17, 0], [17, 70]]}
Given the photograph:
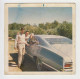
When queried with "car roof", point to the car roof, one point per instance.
{"points": [[54, 49], [51, 36]]}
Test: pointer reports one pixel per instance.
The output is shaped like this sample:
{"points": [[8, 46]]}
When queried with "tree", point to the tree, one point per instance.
{"points": [[65, 29], [54, 28], [41, 25], [54, 24]]}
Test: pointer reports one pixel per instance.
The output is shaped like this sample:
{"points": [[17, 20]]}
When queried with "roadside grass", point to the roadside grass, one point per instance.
{"points": [[11, 44]]}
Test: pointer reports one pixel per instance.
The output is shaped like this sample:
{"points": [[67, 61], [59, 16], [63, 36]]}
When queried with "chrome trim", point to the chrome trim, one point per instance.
{"points": [[68, 70], [63, 64], [30, 55]]}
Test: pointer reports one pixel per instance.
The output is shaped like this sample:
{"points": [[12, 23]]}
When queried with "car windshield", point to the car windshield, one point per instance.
{"points": [[58, 40]]}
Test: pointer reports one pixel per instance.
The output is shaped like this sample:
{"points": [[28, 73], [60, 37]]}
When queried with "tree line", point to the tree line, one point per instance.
{"points": [[54, 28]]}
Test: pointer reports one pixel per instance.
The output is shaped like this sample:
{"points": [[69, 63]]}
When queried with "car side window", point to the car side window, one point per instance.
{"points": [[41, 42]]}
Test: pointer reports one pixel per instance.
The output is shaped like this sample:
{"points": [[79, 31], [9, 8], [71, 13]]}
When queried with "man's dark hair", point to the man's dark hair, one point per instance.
{"points": [[27, 31], [22, 28]]}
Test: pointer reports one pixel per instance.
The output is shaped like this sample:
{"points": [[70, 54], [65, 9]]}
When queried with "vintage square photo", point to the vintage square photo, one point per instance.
{"points": [[39, 38]]}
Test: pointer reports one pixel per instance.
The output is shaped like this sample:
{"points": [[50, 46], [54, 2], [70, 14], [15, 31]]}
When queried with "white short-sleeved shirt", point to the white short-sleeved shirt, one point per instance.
{"points": [[27, 37], [20, 39]]}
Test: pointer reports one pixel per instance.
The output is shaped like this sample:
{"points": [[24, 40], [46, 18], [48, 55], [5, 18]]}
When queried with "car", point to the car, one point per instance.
{"points": [[52, 51]]}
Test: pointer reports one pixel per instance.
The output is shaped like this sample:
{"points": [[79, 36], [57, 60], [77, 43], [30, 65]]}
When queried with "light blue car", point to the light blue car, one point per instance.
{"points": [[54, 52]]}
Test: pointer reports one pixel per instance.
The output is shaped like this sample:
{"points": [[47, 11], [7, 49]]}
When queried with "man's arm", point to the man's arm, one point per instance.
{"points": [[16, 40], [26, 42]]}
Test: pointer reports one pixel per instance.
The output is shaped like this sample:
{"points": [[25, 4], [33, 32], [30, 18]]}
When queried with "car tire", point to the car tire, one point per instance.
{"points": [[39, 64]]}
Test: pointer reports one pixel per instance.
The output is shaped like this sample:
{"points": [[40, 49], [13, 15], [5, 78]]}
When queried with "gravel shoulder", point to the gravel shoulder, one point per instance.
{"points": [[28, 64]]}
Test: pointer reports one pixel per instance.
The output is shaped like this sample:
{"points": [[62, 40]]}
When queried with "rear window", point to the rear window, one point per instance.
{"points": [[58, 40]]}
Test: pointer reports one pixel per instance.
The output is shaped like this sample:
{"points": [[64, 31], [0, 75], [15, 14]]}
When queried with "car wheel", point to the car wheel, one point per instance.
{"points": [[39, 64]]}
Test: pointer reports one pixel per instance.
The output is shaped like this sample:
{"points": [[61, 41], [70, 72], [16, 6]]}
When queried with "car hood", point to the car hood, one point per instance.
{"points": [[64, 50]]}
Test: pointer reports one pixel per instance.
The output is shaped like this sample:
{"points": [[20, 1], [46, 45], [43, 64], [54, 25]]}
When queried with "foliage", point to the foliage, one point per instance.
{"points": [[12, 33], [65, 29], [54, 28]]}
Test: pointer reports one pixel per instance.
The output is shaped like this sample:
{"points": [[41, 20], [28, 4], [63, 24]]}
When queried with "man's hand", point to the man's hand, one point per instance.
{"points": [[27, 44], [15, 48]]}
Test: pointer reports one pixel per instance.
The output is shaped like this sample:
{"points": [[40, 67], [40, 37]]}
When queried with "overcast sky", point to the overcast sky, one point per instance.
{"points": [[36, 15]]}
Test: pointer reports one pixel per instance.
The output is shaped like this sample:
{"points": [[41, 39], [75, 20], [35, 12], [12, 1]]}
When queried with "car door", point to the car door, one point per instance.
{"points": [[51, 58]]}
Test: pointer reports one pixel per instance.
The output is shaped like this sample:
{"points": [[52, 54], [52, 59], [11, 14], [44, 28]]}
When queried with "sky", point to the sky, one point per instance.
{"points": [[36, 15]]}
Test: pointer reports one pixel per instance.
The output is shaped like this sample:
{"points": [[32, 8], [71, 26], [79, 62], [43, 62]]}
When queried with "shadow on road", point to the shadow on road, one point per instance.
{"points": [[28, 64]]}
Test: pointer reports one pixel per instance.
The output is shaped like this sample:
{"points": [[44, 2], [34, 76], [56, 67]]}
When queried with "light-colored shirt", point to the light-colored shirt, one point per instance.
{"points": [[27, 37], [20, 39]]}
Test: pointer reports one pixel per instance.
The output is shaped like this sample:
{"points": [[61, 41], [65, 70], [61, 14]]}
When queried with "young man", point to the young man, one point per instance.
{"points": [[26, 38], [20, 42]]}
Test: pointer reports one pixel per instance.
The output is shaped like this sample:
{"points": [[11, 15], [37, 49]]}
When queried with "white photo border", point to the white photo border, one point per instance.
{"points": [[75, 76], [38, 5]]}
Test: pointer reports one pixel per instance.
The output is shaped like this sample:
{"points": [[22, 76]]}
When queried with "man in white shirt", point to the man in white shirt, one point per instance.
{"points": [[27, 35], [20, 43]]}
